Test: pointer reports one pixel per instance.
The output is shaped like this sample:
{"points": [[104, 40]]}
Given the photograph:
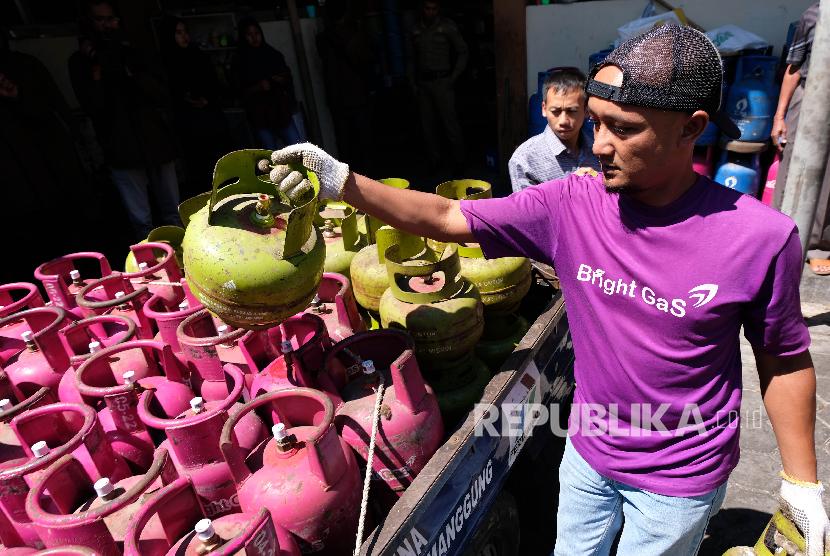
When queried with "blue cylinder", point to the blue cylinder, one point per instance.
{"points": [[740, 172], [598, 57], [535, 121], [753, 97]]}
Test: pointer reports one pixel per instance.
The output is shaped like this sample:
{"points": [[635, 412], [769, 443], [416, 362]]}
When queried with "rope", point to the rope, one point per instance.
{"points": [[364, 503], [158, 283]]}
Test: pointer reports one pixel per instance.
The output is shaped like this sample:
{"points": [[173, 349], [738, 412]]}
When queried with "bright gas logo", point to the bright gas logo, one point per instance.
{"points": [[701, 295]]}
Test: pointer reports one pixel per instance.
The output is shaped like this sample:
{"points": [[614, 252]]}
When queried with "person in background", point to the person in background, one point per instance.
{"points": [[437, 57], [265, 87], [348, 64], [785, 123], [564, 146], [126, 101], [43, 177], [195, 94]]}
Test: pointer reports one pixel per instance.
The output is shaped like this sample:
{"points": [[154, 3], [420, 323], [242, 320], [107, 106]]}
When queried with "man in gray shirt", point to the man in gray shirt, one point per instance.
{"points": [[564, 146]]}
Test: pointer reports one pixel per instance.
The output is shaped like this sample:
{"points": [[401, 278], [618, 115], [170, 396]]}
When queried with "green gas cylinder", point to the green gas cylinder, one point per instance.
{"points": [[502, 333], [440, 309], [368, 268], [339, 228], [502, 282], [163, 234], [253, 257]]}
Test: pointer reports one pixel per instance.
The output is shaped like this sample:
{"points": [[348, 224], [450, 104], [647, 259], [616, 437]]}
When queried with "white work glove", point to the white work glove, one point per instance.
{"points": [[331, 173], [801, 502]]}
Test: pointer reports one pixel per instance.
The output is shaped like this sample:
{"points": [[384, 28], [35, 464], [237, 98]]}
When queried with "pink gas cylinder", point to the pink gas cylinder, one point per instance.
{"points": [[306, 475], [157, 269], [208, 349], [43, 360], [772, 176], [189, 532], [168, 314], [336, 305], [46, 434], [410, 429], [703, 161], [62, 279], [193, 441], [67, 505], [10, 407], [62, 551], [115, 295], [83, 338], [15, 297], [286, 355], [115, 396]]}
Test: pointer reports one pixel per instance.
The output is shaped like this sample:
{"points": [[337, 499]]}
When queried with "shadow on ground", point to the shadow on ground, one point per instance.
{"points": [[733, 527]]}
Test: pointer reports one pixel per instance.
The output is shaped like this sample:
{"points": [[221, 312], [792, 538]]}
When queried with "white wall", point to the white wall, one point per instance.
{"points": [[566, 34]]}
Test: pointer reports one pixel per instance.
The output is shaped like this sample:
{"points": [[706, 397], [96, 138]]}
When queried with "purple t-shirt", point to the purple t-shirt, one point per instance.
{"points": [[656, 298]]}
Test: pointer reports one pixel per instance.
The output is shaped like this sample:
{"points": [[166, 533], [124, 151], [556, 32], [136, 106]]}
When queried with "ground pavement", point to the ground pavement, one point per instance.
{"points": [[750, 495]]}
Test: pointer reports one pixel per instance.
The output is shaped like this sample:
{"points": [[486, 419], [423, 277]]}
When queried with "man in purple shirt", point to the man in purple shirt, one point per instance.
{"points": [[660, 269]]}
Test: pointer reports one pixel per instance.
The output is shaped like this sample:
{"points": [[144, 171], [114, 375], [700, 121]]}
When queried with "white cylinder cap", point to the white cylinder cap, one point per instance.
{"points": [[119, 295], [286, 346], [279, 431], [5, 404], [27, 336], [103, 487], [75, 274], [184, 305], [222, 329], [129, 377], [142, 266], [94, 346], [204, 529], [40, 449], [197, 404], [368, 367]]}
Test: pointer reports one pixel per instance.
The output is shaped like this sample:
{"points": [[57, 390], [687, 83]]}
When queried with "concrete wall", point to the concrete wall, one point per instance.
{"points": [[278, 35], [54, 52], [566, 34]]}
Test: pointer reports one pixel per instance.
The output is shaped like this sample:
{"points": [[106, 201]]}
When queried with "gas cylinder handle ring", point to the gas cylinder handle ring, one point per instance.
{"points": [[60, 316], [205, 341], [226, 440], [102, 391], [35, 509], [32, 299], [81, 299], [169, 255]]}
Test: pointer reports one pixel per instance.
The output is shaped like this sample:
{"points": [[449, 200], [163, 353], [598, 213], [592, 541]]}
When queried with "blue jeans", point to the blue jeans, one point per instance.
{"points": [[135, 186], [592, 509], [273, 139]]}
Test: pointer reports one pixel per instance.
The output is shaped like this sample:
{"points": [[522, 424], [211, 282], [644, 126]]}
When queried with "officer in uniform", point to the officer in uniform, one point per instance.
{"points": [[437, 57]]}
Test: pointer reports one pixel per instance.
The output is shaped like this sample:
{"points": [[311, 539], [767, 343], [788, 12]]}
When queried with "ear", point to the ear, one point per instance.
{"points": [[544, 108], [694, 127]]}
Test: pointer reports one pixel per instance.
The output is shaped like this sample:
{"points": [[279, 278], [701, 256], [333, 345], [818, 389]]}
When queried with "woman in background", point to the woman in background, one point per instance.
{"points": [[265, 88], [196, 96]]}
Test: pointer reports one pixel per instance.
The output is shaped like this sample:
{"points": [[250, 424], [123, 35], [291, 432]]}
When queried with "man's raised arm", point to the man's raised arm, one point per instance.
{"points": [[422, 214]]}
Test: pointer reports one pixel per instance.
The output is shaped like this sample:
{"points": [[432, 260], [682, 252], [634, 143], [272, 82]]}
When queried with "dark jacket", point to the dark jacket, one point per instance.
{"points": [[127, 105]]}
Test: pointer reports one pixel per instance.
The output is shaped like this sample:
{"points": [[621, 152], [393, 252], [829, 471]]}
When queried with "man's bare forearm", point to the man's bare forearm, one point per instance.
{"points": [[422, 214], [788, 387], [792, 77]]}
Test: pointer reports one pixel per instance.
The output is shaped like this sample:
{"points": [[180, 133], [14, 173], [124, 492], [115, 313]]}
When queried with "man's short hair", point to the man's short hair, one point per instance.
{"points": [[563, 80]]}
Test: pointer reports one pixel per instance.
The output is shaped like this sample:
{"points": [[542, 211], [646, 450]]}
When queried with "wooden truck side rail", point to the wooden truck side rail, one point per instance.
{"points": [[438, 513]]}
